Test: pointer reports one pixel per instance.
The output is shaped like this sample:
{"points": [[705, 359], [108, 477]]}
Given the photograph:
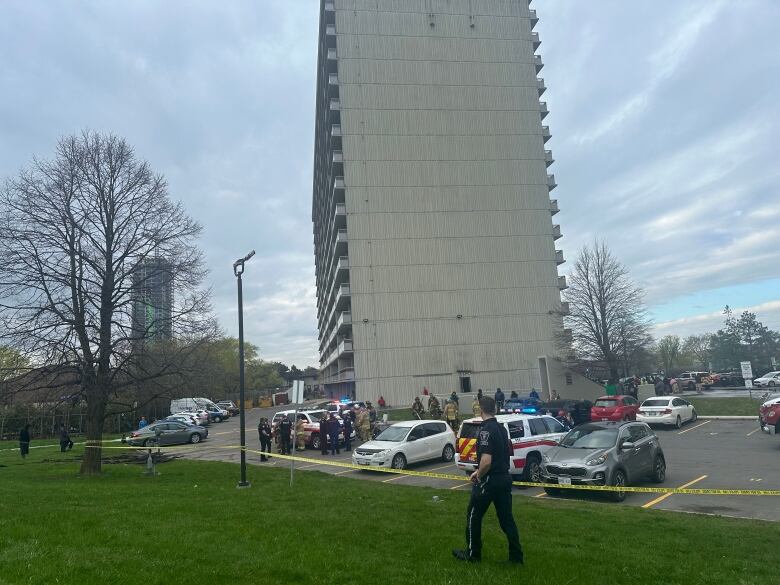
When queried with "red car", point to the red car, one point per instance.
{"points": [[769, 416], [614, 408]]}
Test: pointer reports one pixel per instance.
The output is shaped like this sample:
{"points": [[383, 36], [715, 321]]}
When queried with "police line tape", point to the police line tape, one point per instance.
{"points": [[458, 478]]}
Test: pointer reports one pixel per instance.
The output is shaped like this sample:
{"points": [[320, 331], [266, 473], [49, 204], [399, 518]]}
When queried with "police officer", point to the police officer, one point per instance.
{"points": [[324, 434], [347, 431], [492, 485], [264, 431], [285, 430]]}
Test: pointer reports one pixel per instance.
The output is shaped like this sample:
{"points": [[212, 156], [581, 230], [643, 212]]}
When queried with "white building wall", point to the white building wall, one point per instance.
{"points": [[451, 250]]}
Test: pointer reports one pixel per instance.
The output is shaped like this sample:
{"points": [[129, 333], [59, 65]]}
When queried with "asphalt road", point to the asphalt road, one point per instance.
{"points": [[706, 454]]}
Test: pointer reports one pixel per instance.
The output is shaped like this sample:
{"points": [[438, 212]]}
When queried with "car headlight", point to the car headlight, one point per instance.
{"points": [[597, 460], [382, 453]]}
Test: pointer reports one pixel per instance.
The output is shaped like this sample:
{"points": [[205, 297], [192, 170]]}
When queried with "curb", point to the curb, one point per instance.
{"points": [[723, 417]]}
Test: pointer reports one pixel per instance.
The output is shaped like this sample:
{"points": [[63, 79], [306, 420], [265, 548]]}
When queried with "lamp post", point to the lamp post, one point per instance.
{"points": [[238, 270]]}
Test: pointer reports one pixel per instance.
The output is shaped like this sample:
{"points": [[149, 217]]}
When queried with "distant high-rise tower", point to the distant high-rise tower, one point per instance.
{"points": [[153, 300], [435, 250]]}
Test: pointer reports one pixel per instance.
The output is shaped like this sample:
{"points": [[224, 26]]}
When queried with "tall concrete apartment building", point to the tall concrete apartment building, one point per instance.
{"points": [[436, 264]]}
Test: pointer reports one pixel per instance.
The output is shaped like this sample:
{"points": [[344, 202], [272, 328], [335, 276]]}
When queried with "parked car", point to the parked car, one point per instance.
{"points": [[523, 404], [201, 416], [187, 419], [578, 410], [729, 379], [217, 414], [769, 416], [768, 380], [167, 432], [666, 410], [407, 442], [614, 408], [692, 380], [531, 436], [605, 453], [230, 406]]}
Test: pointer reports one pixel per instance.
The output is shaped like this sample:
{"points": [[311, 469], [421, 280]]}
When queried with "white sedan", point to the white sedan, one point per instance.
{"points": [[666, 410], [407, 442], [770, 380]]}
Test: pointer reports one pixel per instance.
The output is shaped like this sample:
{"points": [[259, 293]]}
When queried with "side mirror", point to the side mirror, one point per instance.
{"points": [[627, 446]]}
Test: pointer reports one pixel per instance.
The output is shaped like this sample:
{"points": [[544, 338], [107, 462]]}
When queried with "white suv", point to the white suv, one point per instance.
{"points": [[407, 442], [530, 435]]}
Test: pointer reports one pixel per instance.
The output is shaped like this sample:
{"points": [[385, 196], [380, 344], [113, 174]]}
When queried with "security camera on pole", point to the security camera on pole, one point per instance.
{"points": [[238, 270]]}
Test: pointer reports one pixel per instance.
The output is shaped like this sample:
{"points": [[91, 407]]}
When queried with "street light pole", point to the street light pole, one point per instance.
{"points": [[238, 270]]}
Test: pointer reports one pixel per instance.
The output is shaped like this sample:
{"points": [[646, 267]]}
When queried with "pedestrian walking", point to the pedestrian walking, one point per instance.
{"points": [[492, 484], [285, 431], [334, 430], [24, 441], [65, 443], [499, 399], [324, 434], [347, 433], [264, 431]]}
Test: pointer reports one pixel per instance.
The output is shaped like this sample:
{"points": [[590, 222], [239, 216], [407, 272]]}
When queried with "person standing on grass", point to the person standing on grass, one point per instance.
{"points": [[265, 432], [24, 441], [492, 485], [65, 443]]}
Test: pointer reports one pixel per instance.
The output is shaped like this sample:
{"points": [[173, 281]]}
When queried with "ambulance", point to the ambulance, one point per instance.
{"points": [[530, 435]]}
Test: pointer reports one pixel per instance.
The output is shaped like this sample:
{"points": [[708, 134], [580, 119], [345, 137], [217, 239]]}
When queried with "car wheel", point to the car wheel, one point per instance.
{"points": [[619, 481], [694, 416], [552, 491], [399, 461], [315, 442], [678, 422], [195, 438], [771, 384], [533, 469], [448, 454], [217, 419], [149, 443], [659, 470]]}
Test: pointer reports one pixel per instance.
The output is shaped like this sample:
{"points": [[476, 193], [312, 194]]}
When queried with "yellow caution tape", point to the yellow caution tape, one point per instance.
{"points": [[445, 476]]}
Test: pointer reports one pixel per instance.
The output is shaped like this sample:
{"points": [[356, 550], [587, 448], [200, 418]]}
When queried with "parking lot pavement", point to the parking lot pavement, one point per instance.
{"points": [[721, 454]]}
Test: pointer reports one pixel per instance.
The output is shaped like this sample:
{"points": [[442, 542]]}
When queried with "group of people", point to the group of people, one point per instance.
{"points": [[25, 438], [451, 410]]}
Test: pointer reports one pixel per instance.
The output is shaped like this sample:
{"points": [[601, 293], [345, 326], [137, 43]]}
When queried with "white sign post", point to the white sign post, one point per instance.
{"points": [[296, 397], [747, 374]]}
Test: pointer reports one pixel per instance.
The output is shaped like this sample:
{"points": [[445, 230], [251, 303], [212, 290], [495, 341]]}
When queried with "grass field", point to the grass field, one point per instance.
{"points": [[191, 524], [739, 406]]}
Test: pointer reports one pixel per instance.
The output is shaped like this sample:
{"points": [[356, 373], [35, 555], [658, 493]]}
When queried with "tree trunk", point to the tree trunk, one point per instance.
{"points": [[96, 411]]}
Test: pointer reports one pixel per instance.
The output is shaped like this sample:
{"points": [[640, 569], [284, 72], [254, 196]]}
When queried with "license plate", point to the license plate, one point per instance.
{"points": [[564, 480], [604, 419], [362, 462]]}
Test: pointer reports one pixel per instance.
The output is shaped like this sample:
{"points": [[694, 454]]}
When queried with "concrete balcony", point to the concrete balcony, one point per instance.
{"points": [[330, 30], [557, 235], [342, 263], [548, 157], [538, 63], [533, 17], [333, 79], [344, 320], [329, 7], [562, 283], [534, 39], [338, 183], [335, 130], [554, 206], [546, 133], [338, 156], [551, 184], [345, 346], [334, 105], [559, 257], [340, 215], [346, 375], [565, 308], [543, 111], [332, 54], [540, 86]]}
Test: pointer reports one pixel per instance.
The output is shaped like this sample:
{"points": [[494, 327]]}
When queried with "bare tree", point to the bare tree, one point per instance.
{"points": [[78, 235], [608, 319], [668, 349], [696, 349]]}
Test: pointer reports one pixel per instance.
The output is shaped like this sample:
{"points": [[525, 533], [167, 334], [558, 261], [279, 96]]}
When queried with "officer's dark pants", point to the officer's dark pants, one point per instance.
{"points": [[265, 447], [334, 445], [496, 490], [347, 441], [285, 445]]}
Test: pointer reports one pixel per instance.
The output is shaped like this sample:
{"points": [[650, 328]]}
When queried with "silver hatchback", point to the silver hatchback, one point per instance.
{"points": [[605, 453]]}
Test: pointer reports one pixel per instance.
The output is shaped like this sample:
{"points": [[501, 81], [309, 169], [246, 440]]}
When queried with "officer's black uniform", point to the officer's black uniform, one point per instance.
{"points": [[264, 430], [285, 428], [495, 488]]}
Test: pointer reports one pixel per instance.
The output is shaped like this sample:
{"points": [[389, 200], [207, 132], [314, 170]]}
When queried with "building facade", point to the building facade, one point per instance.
{"points": [[436, 263], [152, 300]]}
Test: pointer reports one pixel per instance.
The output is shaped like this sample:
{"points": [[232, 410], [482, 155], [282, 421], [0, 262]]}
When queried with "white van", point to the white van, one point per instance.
{"points": [[192, 405]]}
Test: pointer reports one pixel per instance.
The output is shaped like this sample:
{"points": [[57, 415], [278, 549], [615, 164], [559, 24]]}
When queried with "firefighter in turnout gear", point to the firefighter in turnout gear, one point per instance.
{"points": [[300, 435], [417, 408], [492, 484], [451, 414], [475, 407], [434, 408]]}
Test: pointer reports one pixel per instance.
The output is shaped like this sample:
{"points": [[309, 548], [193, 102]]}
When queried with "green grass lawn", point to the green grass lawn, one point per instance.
{"points": [[191, 524], [738, 406]]}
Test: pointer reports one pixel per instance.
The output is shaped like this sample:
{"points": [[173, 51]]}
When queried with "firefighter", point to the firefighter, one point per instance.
{"points": [[417, 408], [434, 408], [347, 431], [475, 407], [451, 414], [300, 435]]}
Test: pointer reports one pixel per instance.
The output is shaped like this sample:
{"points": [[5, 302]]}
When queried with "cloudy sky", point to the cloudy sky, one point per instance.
{"points": [[664, 117]]}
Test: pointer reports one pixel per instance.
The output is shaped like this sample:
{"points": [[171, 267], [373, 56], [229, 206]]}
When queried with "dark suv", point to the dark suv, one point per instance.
{"points": [[605, 453]]}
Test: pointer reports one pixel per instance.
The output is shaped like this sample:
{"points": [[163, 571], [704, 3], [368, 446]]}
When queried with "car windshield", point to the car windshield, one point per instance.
{"points": [[590, 438], [605, 402], [394, 434], [656, 402]]}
